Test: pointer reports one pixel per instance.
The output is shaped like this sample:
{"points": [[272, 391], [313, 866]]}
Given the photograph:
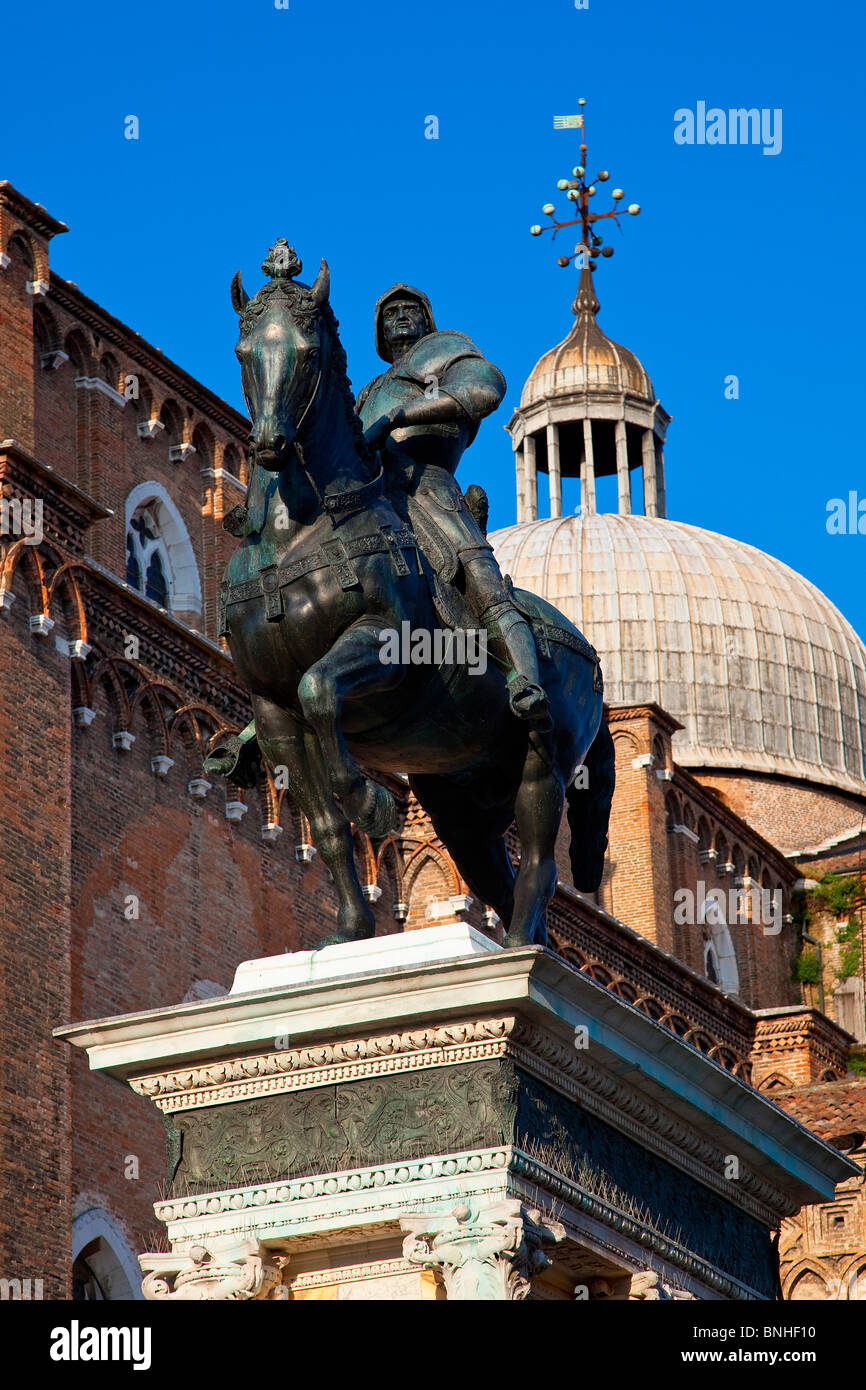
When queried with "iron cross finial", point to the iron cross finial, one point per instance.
{"points": [[579, 192]]}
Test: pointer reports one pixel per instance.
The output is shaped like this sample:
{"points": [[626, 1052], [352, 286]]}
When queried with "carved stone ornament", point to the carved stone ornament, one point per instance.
{"points": [[483, 1252], [647, 1285], [248, 1272]]}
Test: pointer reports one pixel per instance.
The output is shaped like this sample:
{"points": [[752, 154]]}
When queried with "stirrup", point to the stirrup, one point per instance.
{"points": [[529, 702]]}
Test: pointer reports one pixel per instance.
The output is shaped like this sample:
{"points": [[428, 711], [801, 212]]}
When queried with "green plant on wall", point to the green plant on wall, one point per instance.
{"points": [[841, 896], [807, 967]]}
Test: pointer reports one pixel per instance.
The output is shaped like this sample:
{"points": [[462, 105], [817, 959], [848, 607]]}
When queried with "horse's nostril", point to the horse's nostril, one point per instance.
{"points": [[279, 442]]}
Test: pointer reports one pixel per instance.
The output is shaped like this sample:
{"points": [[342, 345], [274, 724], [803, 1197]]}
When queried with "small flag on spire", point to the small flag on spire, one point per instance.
{"points": [[568, 123]]}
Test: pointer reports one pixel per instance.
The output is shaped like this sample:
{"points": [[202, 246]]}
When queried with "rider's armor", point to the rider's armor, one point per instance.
{"points": [[421, 460]]}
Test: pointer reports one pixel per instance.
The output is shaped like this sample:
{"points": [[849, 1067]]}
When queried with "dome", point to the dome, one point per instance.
{"points": [[755, 662], [587, 360]]}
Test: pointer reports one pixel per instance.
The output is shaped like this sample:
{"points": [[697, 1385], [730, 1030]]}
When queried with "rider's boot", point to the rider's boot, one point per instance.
{"points": [[525, 694]]}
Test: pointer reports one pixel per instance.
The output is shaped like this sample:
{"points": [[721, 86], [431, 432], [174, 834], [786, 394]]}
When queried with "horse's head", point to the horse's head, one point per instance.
{"points": [[280, 349]]}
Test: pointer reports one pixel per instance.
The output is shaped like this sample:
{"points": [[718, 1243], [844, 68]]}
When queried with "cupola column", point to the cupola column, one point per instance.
{"points": [[622, 473], [650, 479], [587, 472], [660, 481], [530, 511], [553, 470], [520, 475]]}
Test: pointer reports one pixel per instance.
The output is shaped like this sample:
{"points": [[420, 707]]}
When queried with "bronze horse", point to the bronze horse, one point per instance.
{"points": [[325, 569]]}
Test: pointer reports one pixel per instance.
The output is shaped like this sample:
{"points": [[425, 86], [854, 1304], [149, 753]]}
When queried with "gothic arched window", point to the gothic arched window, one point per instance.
{"points": [[147, 562]]}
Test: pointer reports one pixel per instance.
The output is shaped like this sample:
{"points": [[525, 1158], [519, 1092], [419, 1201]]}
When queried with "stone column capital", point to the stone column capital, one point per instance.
{"points": [[486, 1251], [244, 1270]]}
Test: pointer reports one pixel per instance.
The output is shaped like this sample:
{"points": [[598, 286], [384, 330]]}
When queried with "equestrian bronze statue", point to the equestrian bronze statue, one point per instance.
{"points": [[351, 535]]}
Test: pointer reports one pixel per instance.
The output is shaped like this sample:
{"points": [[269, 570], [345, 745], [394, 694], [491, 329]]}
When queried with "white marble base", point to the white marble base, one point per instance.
{"points": [[400, 951]]}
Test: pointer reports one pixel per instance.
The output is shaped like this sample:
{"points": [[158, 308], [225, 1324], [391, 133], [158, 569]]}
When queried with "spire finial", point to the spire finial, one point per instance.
{"points": [[585, 301], [579, 191]]}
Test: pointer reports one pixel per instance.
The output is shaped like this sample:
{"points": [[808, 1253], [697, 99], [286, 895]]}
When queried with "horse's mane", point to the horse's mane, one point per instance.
{"points": [[308, 313]]}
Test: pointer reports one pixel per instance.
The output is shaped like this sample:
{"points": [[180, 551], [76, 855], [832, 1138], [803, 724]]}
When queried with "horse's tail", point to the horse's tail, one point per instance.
{"points": [[589, 798]]}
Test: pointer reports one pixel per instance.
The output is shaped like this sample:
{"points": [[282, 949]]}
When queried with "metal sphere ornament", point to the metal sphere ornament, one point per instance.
{"points": [[549, 209], [616, 194], [535, 230], [634, 209]]}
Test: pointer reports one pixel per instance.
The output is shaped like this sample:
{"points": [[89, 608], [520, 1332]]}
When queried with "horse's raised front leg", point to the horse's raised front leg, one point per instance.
{"points": [[537, 815], [285, 743], [352, 666]]}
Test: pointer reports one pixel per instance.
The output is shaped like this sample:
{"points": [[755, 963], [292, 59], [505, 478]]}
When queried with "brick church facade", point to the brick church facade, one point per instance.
{"points": [[130, 882]]}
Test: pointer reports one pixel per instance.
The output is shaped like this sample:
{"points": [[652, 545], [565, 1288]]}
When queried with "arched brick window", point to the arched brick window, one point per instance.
{"points": [[160, 561]]}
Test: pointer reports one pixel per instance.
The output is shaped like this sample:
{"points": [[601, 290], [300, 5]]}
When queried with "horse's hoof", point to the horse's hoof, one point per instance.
{"points": [[346, 938], [374, 811], [515, 939]]}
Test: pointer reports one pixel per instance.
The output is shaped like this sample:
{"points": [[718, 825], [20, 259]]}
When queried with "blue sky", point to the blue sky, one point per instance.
{"points": [[309, 123]]}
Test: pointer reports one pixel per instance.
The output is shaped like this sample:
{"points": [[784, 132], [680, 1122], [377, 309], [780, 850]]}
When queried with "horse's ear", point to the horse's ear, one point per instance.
{"points": [[240, 298], [322, 284]]}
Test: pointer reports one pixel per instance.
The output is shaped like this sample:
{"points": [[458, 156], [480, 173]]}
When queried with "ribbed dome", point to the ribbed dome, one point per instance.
{"points": [[757, 664], [586, 360]]}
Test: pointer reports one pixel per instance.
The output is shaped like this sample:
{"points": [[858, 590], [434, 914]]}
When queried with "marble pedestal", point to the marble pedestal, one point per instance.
{"points": [[429, 1116]]}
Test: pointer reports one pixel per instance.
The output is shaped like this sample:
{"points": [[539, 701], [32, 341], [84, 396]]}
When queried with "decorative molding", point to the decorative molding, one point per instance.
{"points": [[40, 624], [160, 764], [123, 740], [83, 716], [351, 1274], [37, 287], [198, 788], [353, 1183], [296, 1069], [235, 811]]}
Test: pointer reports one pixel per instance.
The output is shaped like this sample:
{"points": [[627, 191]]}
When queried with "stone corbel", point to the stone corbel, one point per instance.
{"points": [[52, 359], [246, 1271], [487, 1251], [179, 453], [149, 429]]}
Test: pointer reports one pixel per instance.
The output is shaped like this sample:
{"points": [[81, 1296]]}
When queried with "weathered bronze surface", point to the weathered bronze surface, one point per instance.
{"points": [[354, 526]]}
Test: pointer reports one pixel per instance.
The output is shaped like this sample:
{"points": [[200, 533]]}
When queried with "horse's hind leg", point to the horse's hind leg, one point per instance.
{"points": [[537, 813], [285, 743], [473, 836]]}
